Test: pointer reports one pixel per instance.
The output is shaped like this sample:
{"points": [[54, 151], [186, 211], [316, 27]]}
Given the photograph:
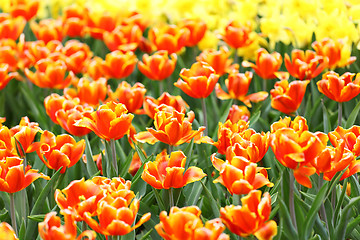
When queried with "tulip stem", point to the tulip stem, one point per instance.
{"points": [[171, 198], [203, 105], [171, 147], [113, 152], [339, 113], [291, 200], [236, 199], [322, 208], [12, 213], [264, 85], [161, 87], [236, 57]]}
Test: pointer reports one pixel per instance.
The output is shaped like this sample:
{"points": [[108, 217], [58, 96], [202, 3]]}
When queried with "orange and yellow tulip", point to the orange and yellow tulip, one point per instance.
{"points": [[50, 74], [305, 65], [48, 29], [55, 102], [51, 228], [7, 232], [198, 81], [171, 128], [286, 97], [67, 118], [11, 27], [158, 66], [109, 121], [96, 68], [5, 76], [351, 138], [24, 8], [237, 35], [131, 96], [168, 37], [124, 38], [252, 218], [299, 124], [237, 113], [119, 65], [238, 86], [7, 143], [339, 88], [332, 49], [169, 172], [13, 178], [218, 60], [197, 29], [74, 20], [99, 23], [76, 55]]}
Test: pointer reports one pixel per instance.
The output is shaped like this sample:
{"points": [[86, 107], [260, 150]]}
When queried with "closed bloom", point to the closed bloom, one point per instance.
{"points": [[197, 29], [100, 22], [305, 65], [171, 128], [339, 88], [158, 66], [50, 74], [74, 20], [218, 60], [237, 35], [12, 176], [252, 218], [299, 124], [48, 29], [55, 102], [67, 118], [238, 86], [169, 172], [119, 65], [335, 51], [239, 175], [109, 121], [11, 27], [198, 81], [51, 228], [76, 55], [286, 97], [266, 65], [7, 232], [168, 37], [24, 8], [123, 37], [351, 138], [131, 96], [5, 76]]}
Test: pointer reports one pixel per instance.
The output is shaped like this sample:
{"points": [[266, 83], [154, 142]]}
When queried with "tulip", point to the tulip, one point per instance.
{"points": [[351, 138], [252, 217], [339, 88], [197, 29], [124, 38], [55, 102], [11, 27], [158, 66], [99, 23], [237, 35], [47, 30], [7, 146], [96, 68], [5, 76], [76, 55], [7, 232], [238, 85], [24, 8], [74, 20], [237, 113], [305, 65], [286, 97], [119, 65], [299, 124], [218, 60], [67, 118], [166, 173]]}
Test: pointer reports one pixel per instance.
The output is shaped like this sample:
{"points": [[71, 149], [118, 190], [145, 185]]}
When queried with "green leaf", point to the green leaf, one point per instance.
{"points": [[354, 223], [344, 219], [37, 218], [126, 165], [90, 164], [353, 115], [289, 228], [340, 202], [326, 118], [214, 204], [159, 200], [254, 118], [194, 196]]}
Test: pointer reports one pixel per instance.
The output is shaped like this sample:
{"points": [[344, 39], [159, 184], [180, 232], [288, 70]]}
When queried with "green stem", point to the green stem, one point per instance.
{"points": [[339, 113], [333, 197], [113, 153], [203, 105], [265, 85], [236, 57], [322, 208], [171, 148], [291, 200], [13, 213], [161, 87], [236, 199], [171, 197]]}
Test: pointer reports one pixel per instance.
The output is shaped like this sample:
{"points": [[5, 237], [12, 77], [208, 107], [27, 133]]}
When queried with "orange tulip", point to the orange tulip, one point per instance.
{"points": [[198, 81], [7, 232], [51, 228], [110, 121], [5, 76], [135, 164], [10, 54], [267, 65], [123, 38], [96, 68], [55, 102], [67, 118], [238, 86], [74, 20], [237, 35], [351, 138], [37, 50], [150, 103], [12, 176], [24, 8], [339, 88], [146, 46], [120, 65], [299, 124], [76, 55], [171, 128], [218, 60], [168, 37], [305, 65], [60, 151], [239, 175], [296, 150], [165, 172], [185, 223], [286, 97], [131, 96], [237, 113], [11, 27], [197, 29], [158, 66], [99, 23], [89, 92], [332, 49], [7, 143], [47, 29], [252, 217], [50, 74]]}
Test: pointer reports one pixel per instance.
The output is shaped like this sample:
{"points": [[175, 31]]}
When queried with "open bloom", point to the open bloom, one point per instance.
{"points": [[171, 128], [238, 86], [252, 218], [287, 97], [158, 66], [119, 65], [11, 27], [197, 29], [237, 35], [305, 65], [165, 172], [51, 228], [198, 81], [351, 138], [5, 76], [237, 113], [339, 88], [109, 121], [100, 22], [12, 176], [266, 64], [7, 232], [185, 223], [76, 55], [24, 8], [218, 60], [123, 37], [55, 102], [67, 118], [48, 29]]}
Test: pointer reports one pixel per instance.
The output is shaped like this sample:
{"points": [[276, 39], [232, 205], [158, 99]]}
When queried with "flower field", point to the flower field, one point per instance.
{"points": [[179, 120]]}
